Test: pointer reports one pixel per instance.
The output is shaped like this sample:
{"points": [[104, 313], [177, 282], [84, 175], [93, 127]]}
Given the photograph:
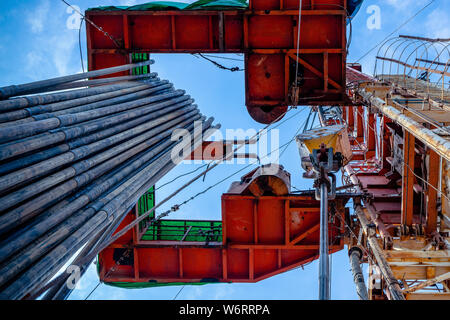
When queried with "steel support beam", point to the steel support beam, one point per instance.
{"points": [[441, 278], [408, 179]]}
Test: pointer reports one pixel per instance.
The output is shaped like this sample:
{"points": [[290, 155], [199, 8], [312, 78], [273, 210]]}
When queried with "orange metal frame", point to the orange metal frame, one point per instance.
{"points": [[262, 237], [266, 33]]}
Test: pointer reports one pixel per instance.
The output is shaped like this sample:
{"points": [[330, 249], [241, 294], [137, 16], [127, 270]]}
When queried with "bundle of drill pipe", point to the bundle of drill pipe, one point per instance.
{"points": [[74, 162]]}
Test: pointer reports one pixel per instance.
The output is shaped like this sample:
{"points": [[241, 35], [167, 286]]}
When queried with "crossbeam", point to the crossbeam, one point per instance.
{"points": [[266, 33]]}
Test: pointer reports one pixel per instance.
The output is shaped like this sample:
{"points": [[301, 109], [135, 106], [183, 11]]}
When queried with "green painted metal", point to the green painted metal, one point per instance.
{"points": [[140, 57], [144, 204], [175, 230], [143, 285], [169, 5]]}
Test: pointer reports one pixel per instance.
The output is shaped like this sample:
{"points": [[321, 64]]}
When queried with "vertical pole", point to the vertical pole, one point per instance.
{"points": [[344, 114], [351, 119], [360, 124], [408, 179], [371, 132], [385, 150], [358, 277], [324, 286], [432, 196]]}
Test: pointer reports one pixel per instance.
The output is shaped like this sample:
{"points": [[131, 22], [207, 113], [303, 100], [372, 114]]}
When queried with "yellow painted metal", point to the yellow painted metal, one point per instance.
{"points": [[335, 137]]}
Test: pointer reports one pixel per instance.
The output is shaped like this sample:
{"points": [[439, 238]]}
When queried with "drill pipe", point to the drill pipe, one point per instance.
{"points": [[98, 82], [14, 132], [59, 149], [15, 90], [28, 173], [41, 112], [84, 259], [59, 290], [22, 238], [116, 207], [79, 174], [31, 101], [71, 223], [358, 277], [13, 149]]}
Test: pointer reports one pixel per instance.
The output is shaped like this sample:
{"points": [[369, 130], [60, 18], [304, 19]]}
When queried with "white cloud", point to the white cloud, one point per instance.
{"points": [[193, 293], [38, 17], [127, 2], [437, 25], [61, 53], [53, 49], [405, 4], [223, 292]]}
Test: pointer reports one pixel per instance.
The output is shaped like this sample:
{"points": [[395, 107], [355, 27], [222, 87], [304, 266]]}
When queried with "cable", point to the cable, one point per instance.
{"points": [[225, 58], [295, 135], [398, 28], [232, 69], [79, 44], [207, 164], [429, 184], [182, 175], [124, 254], [222, 180], [175, 298], [92, 291]]}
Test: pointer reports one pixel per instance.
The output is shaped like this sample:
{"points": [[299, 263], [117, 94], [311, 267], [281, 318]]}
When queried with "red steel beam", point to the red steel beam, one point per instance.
{"points": [[256, 244], [267, 33]]}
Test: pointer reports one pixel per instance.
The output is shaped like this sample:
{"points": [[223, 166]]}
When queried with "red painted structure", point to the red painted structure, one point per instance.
{"points": [[261, 237], [267, 33]]}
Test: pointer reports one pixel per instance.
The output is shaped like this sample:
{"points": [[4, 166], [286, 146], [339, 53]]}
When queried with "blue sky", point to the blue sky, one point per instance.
{"points": [[35, 44]]}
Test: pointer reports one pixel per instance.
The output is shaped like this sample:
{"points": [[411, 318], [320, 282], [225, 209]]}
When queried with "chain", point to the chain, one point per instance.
{"points": [[93, 24], [118, 262]]}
